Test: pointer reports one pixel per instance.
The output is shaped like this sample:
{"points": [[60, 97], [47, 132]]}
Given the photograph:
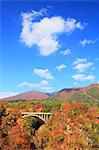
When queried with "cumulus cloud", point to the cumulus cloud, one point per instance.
{"points": [[83, 77], [80, 60], [45, 32], [7, 94], [72, 24], [81, 64], [82, 67], [66, 52], [45, 73], [37, 85], [43, 85], [60, 67], [85, 42]]}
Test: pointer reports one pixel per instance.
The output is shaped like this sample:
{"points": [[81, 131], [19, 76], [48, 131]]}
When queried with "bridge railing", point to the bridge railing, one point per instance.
{"points": [[36, 113]]}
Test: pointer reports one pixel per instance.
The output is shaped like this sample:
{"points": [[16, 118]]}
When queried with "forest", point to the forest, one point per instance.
{"points": [[72, 126]]}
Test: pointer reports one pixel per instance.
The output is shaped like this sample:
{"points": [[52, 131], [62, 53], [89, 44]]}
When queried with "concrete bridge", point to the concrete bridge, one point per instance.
{"points": [[42, 116]]}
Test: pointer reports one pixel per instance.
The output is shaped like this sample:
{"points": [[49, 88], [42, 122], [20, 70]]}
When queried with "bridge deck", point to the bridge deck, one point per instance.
{"points": [[36, 113], [44, 116]]}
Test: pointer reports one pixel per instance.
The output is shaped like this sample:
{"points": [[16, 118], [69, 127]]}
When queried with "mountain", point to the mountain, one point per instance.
{"points": [[31, 95], [90, 93]]}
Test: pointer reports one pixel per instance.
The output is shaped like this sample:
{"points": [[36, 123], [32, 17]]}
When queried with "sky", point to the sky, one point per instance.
{"points": [[48, 45]]}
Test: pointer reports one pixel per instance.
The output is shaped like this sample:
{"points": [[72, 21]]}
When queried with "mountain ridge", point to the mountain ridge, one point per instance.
{"points": [[62, 94]]}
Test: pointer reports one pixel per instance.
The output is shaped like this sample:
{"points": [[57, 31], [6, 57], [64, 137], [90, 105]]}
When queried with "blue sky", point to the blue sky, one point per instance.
{"points": [[48, 45]]}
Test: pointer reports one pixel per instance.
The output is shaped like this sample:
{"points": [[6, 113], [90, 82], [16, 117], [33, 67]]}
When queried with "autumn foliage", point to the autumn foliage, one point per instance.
{"points": [[73, 126]]}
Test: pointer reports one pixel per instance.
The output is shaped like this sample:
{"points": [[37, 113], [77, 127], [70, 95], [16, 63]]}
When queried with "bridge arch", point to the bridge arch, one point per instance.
{"points": [[42, 117], [37, 117]]}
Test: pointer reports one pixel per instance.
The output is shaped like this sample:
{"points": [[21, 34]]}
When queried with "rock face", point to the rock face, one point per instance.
{"points": [[31, 95]]}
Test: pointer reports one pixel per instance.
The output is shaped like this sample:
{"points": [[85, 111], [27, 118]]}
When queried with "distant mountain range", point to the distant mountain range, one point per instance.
{"points": [[90, 92]]}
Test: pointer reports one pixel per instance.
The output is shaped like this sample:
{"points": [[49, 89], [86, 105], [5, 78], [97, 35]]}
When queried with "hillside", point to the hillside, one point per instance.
{"points": [[80, 94], [31, 95], [90, 93]]}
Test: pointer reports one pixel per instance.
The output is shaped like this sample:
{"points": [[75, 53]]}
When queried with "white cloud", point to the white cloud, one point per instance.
{"points": [[43, 85], [81, 64], [83, 77], [80, 60], [66, 52], [48, 89], [37, 85], [45, 32], [82, 67], [45, 73], [60, 67], [72, 24], [7, 94], [44, 82], [29, 16], [87, 42]]}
